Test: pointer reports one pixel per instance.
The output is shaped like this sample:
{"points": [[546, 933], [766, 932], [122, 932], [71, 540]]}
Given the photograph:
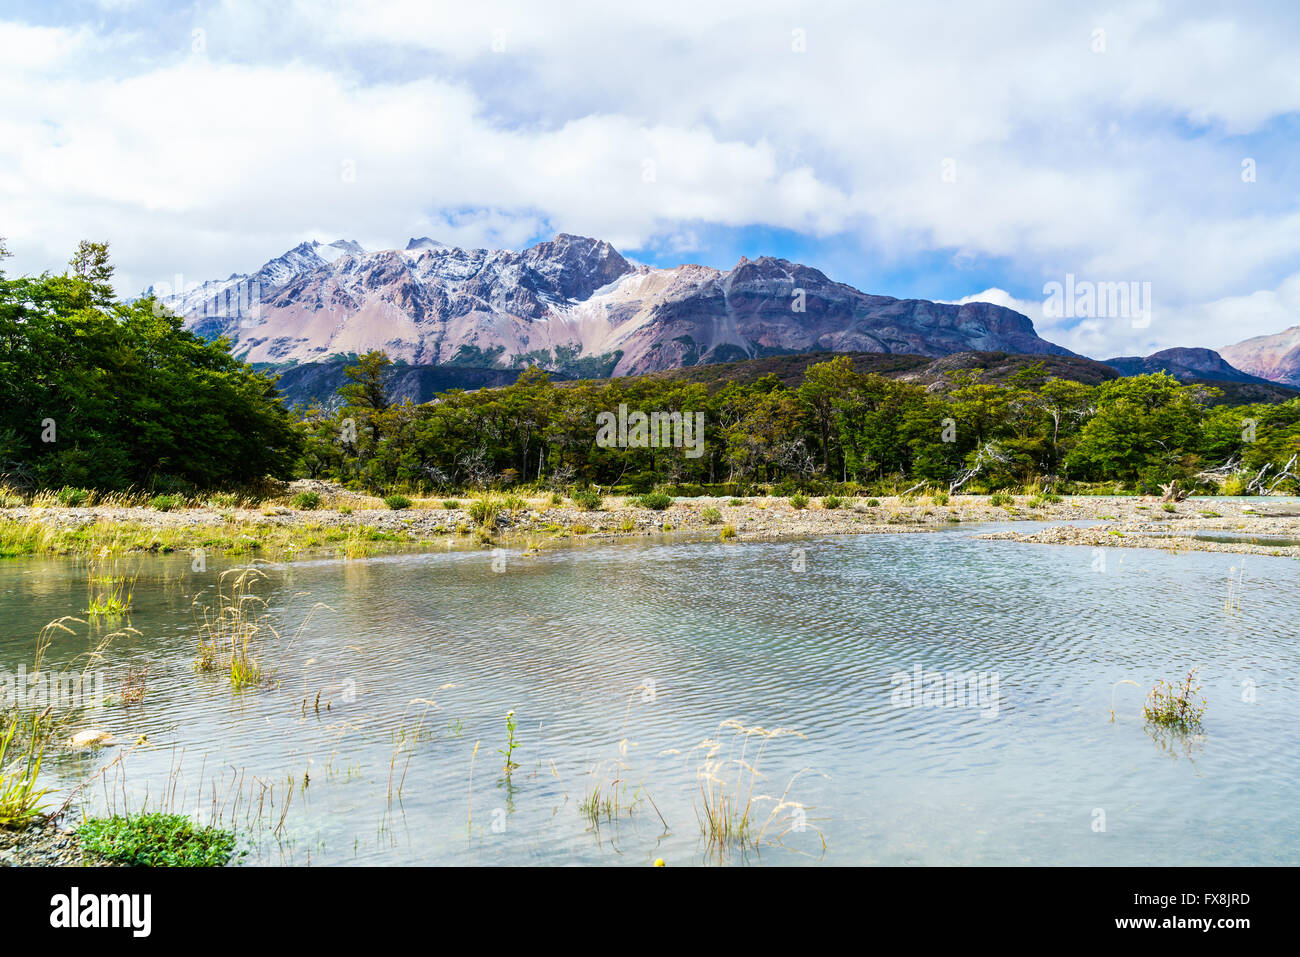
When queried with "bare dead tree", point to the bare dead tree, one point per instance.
{"points": [[987, 454], [1257, 486]]}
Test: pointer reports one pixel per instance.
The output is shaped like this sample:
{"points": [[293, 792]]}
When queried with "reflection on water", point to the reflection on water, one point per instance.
{"points": [[621, 663]]}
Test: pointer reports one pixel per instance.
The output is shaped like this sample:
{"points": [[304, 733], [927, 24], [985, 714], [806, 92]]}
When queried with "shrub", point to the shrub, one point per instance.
{"points": [[1001, 500], [588, 499], [939, 498], [873, 503], [1169, 507], [727, 531], [72, 497], [832, 502], [157, 840], [485, 510], [305, 500], [657, 501], [451, 504], [396, 502], [711, 516], [345, 509], [798, 500], [165, 503], [735, 502], [1233, 485]]}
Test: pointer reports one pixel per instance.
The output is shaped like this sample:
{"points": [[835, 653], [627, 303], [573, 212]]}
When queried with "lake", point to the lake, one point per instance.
{"points": [[620, 661]]}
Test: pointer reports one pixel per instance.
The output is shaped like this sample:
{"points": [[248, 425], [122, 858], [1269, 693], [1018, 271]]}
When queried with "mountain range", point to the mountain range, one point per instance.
{"points": [[577, 307]]}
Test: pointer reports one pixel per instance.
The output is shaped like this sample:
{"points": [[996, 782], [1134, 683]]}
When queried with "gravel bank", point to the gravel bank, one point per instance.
{"points": [[47, 844], [1124, 522]]}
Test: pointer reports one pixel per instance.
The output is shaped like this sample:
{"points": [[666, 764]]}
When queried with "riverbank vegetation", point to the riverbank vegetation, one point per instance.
{"points": [[156, 839]]}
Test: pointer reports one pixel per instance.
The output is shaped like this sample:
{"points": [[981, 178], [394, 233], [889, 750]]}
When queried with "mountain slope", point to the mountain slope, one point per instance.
{"points": [[1275, 357], [1184, 364], [574, 305]]}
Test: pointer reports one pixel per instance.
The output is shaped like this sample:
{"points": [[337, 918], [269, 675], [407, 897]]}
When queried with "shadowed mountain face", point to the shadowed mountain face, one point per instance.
{"points": [[1184, 364], [573, 305], [1275, 357]]}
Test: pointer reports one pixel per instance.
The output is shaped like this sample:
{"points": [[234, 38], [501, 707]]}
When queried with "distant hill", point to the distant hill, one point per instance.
{"points": [[1275, 357], [1187, 365], [938, 373]]}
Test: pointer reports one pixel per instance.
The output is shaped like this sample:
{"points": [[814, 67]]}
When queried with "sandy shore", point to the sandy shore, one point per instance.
{"points": [[1130, 522]]}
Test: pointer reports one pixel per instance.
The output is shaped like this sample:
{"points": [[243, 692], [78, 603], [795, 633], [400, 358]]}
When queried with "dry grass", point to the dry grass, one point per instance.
{"points": [[727, 808]]}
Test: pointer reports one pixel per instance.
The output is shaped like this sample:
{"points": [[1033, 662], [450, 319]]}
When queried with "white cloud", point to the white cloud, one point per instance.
{"points": [[487, 123]]}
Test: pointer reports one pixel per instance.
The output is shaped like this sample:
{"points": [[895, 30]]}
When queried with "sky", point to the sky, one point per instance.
{"points": [[956, 152]]}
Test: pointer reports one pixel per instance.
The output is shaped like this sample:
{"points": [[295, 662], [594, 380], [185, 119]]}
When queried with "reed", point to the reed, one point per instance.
{"points": [[20, 794]]}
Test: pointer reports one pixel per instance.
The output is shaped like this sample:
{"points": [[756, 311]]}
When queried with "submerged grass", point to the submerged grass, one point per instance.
{"points": [[727, 809], [235, 631]]}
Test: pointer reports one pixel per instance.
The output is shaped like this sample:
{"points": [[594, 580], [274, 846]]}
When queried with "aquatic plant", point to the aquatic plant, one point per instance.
{"points": [[133, 685], [1177, 706], [156, 839], [20, 798], [727, 808], [511, 743], [233, 632]]}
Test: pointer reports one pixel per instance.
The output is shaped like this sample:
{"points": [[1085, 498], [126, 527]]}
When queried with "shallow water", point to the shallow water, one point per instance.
{"points": [[418, 657]]}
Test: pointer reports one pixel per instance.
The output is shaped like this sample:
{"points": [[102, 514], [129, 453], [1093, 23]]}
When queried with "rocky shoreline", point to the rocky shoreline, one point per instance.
{"points": [[1131, 522], [46, 844]]}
